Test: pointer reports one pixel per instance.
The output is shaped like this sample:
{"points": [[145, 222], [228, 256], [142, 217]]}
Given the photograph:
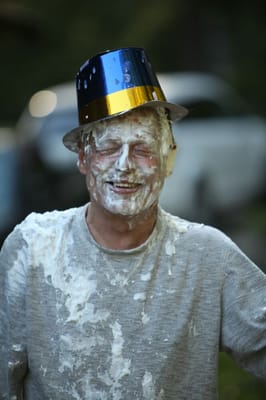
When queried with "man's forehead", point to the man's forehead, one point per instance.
{"points": [[142, 123]]}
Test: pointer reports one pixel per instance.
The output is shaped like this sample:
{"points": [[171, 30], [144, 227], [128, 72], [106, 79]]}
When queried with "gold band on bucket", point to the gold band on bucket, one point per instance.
{"points": [[120, 101]]}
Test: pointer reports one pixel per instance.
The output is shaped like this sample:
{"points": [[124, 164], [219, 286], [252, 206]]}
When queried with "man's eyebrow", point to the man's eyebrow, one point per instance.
{"points": [[109, 140]]}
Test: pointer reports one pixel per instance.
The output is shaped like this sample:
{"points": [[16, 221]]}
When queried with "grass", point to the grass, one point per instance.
{"points": [[236, 384]]}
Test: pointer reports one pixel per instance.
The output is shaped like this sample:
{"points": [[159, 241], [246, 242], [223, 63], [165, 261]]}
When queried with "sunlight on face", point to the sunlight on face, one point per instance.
{"points": [[125, 168]]}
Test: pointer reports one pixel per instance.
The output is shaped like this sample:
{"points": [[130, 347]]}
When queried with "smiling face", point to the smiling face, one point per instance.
{"points": [[123, 164]]}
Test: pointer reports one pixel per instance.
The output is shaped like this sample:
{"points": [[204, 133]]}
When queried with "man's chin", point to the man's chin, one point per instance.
{"points": [[124, 213], [130, 212]]}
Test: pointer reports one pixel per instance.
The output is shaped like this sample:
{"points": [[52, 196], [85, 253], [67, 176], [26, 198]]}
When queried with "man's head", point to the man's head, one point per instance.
{"points": [[114, 83], [125, 160], [124, 140]]}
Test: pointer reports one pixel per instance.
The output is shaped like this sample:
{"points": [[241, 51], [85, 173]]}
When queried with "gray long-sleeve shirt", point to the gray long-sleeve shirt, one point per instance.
{"points": [[82, 322]]}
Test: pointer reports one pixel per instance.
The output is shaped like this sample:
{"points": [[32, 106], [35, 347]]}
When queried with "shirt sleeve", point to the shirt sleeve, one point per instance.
{"points": [[243, 325], [13, 345]]}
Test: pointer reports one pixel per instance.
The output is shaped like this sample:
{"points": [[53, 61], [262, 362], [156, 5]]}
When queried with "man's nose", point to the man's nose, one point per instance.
{"points": [[124, 162]]}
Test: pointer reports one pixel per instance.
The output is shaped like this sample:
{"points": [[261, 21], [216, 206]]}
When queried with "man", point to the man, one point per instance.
{"points": [[118, 299]]}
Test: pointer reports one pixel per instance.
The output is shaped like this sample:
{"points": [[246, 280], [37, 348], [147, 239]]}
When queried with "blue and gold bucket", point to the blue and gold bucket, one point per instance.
{"points": [[113, 83]]}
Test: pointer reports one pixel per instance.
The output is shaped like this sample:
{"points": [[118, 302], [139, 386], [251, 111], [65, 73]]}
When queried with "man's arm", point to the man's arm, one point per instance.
{"points": [[13, 356], [243, 326]]}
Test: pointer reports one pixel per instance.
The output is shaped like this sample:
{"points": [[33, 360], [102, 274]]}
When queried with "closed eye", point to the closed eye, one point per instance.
{"points": [[108, 149], [143, 151]]}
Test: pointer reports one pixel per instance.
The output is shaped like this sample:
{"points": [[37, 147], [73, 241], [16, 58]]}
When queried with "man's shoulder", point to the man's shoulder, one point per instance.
{"points": [[49, 217], [37, 225], [193, 230]]}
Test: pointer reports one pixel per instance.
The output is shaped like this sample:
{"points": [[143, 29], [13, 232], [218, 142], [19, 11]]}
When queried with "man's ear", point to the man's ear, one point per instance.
{"points": [[170, 162], [82, 163]]}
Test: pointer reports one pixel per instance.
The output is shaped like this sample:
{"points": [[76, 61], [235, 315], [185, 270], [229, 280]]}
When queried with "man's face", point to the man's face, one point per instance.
{"points": [[123, 167]]}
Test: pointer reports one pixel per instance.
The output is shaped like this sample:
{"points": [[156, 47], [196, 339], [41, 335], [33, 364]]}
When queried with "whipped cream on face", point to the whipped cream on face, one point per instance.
{"points": [[125, 164]]}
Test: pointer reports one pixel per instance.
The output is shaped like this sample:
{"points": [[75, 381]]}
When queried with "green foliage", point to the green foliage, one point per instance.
{"points": [[44, 43], [235, 384]]}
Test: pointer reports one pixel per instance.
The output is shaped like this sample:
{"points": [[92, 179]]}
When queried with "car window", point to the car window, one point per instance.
{"points": [[210, 109], [204, 109]]}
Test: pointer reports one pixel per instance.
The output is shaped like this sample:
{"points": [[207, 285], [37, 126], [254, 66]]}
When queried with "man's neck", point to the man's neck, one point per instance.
{"points": [[119, 232]]}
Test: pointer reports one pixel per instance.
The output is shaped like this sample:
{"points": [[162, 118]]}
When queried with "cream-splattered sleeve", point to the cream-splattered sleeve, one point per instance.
{"points": [[13, 356], [243, 326]]}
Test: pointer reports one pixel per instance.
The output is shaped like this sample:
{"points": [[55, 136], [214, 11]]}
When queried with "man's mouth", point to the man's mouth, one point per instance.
{"points": [[124, 184], [124, 187]]}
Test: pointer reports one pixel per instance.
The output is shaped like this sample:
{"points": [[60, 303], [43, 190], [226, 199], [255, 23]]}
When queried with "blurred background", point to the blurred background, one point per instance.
{"points": [[210, 57]]}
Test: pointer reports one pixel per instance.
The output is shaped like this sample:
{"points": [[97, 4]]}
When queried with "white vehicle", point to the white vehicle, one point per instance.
{"points": [[221, 159]]}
